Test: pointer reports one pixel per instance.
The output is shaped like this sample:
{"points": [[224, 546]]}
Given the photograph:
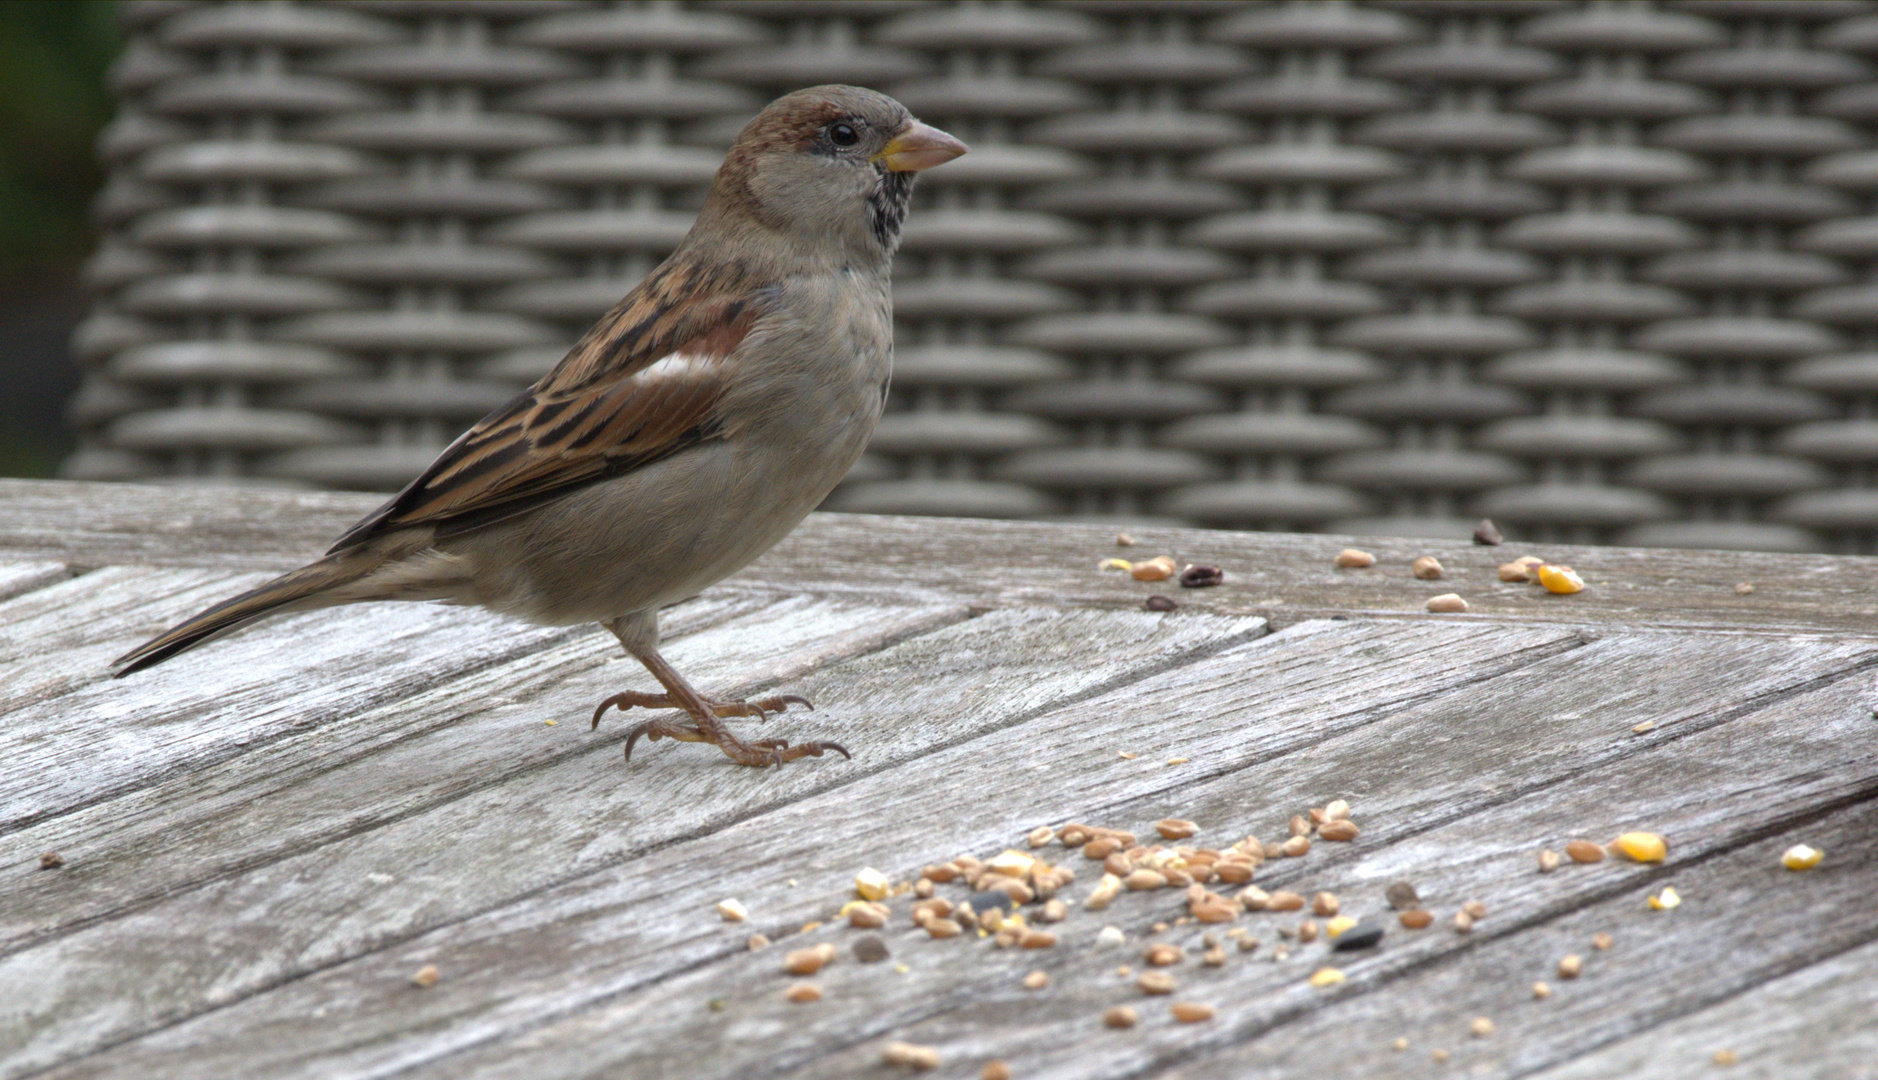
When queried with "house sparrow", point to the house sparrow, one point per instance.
{"points": [[691, 428]]}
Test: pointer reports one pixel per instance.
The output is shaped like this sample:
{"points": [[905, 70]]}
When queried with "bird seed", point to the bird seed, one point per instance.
{"points": [[869, 949], [1163, 955], [1561, 580], [758, 941], [910, 1055], [1801, 857], [1038, 939], [1214, 957], [1040, 836], [1191, 1012], [1144, 879], [809, 961], [1155, 982], [1541, 991], [1402, 896], [1643, 847], [1447, 602], [1329, 976], [1338, 926], [1487, 534], [803, 992], [1201, 577], [1584, 851], [1475, 910], [1352, 559], [1121, 1016], [425, 977], [1481, 1027], [1325, 904], [51, 860], [1284, 900], [1665, 900], [1036, 980], [1255, 899], [995, 1070], [1295, 847], [1417, 919], [1175, 828], [1513, 571], [871, 884], [1307, 931], [1159, 568], [1427, 568], [1570, 966], [1601, 942], [1548, 861]]}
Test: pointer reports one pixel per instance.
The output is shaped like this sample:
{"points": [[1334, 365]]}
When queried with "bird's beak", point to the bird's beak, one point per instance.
{"points": [[919, 147]]}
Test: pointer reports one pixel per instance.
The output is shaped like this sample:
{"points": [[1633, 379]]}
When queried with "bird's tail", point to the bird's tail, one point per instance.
{"points": [[307, 587]]}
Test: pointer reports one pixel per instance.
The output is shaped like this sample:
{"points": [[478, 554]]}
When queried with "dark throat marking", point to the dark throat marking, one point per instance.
{"points": [[886, 206]]}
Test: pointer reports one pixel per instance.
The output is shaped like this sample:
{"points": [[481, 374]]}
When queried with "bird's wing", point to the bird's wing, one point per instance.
{"points": [[643, 384]]}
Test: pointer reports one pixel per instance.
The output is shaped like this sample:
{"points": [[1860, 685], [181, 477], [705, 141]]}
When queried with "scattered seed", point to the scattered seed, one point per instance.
{"points": [[1159, 568], [808, 926], [1295, 847], [1487, 534], [758, 941], [1801, 857], [1201, 577], [1163, 955], [942, 874], [1541, 991], [1124, 540], [1155, 982], [866, 915], [1744, 588], [1439, 1055], [1341, 830], [1121, 1016], [923, 888], [1100, 848], [910, 1055], [1401, 1043], [1401, 896], [1571, 966], [1286, 901], [1361, 935], [1644, 847], [51, 860], [1513, 571], [1144, 879], [1040, 836], [1255, 899], [1463, 923], [1337, 810], [1601, 942], [1011, 863], [425, 977], [1562, 580], [1115, 564], [1175, 828], [943, 928], [1299, 825], [1645, 726], [1446, 602], [1036, 980], [1053, 911], [1427, 568], [1307, 931], [1584, 851], [1272, 849], [1475, 910], [808, 961], [1352, 559], [1665, 900], [871, 884], [1157, 602], [1038, 939], [1325, 904], [1110, 935], [1481, 1027], [995, 1070], [1177, 761], [1417, 919], [803, 992], [1548, 861], [869, 949], [1248, 944], [1191, 1012], [1726, 1057], [1329, 976], [1126, 755]]}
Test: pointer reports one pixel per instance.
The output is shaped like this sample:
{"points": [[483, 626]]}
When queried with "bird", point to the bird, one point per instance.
{"points": [[687, 432]]}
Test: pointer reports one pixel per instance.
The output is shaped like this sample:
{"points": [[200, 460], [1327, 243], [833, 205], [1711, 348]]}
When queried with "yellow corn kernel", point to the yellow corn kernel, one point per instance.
{"points": [[871, 884], [1665, 900], [1326, 977], [1560, 579], [1338, 925], [1801, 857], [1641, 847]]}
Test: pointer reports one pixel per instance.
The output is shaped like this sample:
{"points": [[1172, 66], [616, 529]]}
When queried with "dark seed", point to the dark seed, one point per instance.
{"points": [[51, 860], [1487, 534], [869, 949], [1402, 897], [982, 903], [1199, 577], [1364, 935], [1158, 602]]}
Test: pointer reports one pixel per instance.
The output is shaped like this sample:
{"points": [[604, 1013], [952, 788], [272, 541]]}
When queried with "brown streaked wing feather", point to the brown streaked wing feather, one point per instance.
{"points": [[596, 415]]}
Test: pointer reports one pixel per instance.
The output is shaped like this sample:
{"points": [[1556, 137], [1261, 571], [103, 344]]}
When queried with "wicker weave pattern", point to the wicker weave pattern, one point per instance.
{"points": [[1602, 270]]}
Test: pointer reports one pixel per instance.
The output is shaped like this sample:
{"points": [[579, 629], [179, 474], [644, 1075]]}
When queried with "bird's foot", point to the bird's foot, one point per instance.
{"points": [[708, 729]]}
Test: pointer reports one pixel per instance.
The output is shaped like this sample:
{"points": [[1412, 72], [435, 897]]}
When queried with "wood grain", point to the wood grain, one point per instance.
{"points": [[582, 818], [1286, 577], [29, 574]]}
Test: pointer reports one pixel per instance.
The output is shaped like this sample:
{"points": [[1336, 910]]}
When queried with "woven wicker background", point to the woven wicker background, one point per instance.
{"points": [[1602, 270]]}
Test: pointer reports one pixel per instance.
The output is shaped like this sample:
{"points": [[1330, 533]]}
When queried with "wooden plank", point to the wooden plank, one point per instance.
{"points": [[28, 574], [583, 819], [1286, 577], [1816, 1022], [363, 770], [970, 998], [603, 934]]}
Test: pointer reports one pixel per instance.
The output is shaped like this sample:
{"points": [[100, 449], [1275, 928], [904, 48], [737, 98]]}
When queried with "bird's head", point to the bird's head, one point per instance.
{"points": [[830, 168]]}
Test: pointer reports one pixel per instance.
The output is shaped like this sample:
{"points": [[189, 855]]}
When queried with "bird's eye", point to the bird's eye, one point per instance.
{"points": [[843, 135]]}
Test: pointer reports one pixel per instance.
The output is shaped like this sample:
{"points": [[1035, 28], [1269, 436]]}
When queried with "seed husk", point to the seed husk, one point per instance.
{"points": [[1191, 1012], [1248, 944], [1175, 828], [1120, 1016], [732, 910], [1417, 918], [1584, 851], [757, 941], [1201, 576], [910, 1055], [425, 977], [1155, 982], [1036, 980], [1475, 910], [869, 949], [808, 961], [1548, 861], [1402, 896], [1487, 534], [1427, 568], [803, 992], [50, 860], [1342, 831], [1570, 966], [1214, 957], [1157, 602], [1601, 942], [1352, 559], [1801, 857], [1725, 1057]]}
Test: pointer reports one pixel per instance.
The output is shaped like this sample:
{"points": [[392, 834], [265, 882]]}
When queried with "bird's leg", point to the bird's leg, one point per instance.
{"points": [[640, 636]]}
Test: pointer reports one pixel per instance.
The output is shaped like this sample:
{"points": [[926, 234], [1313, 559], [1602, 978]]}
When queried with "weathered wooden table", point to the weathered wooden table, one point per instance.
{"points": [[265, 839]]}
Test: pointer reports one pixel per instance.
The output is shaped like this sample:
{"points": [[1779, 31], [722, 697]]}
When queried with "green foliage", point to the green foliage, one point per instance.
{"points": [[53, 102]]}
